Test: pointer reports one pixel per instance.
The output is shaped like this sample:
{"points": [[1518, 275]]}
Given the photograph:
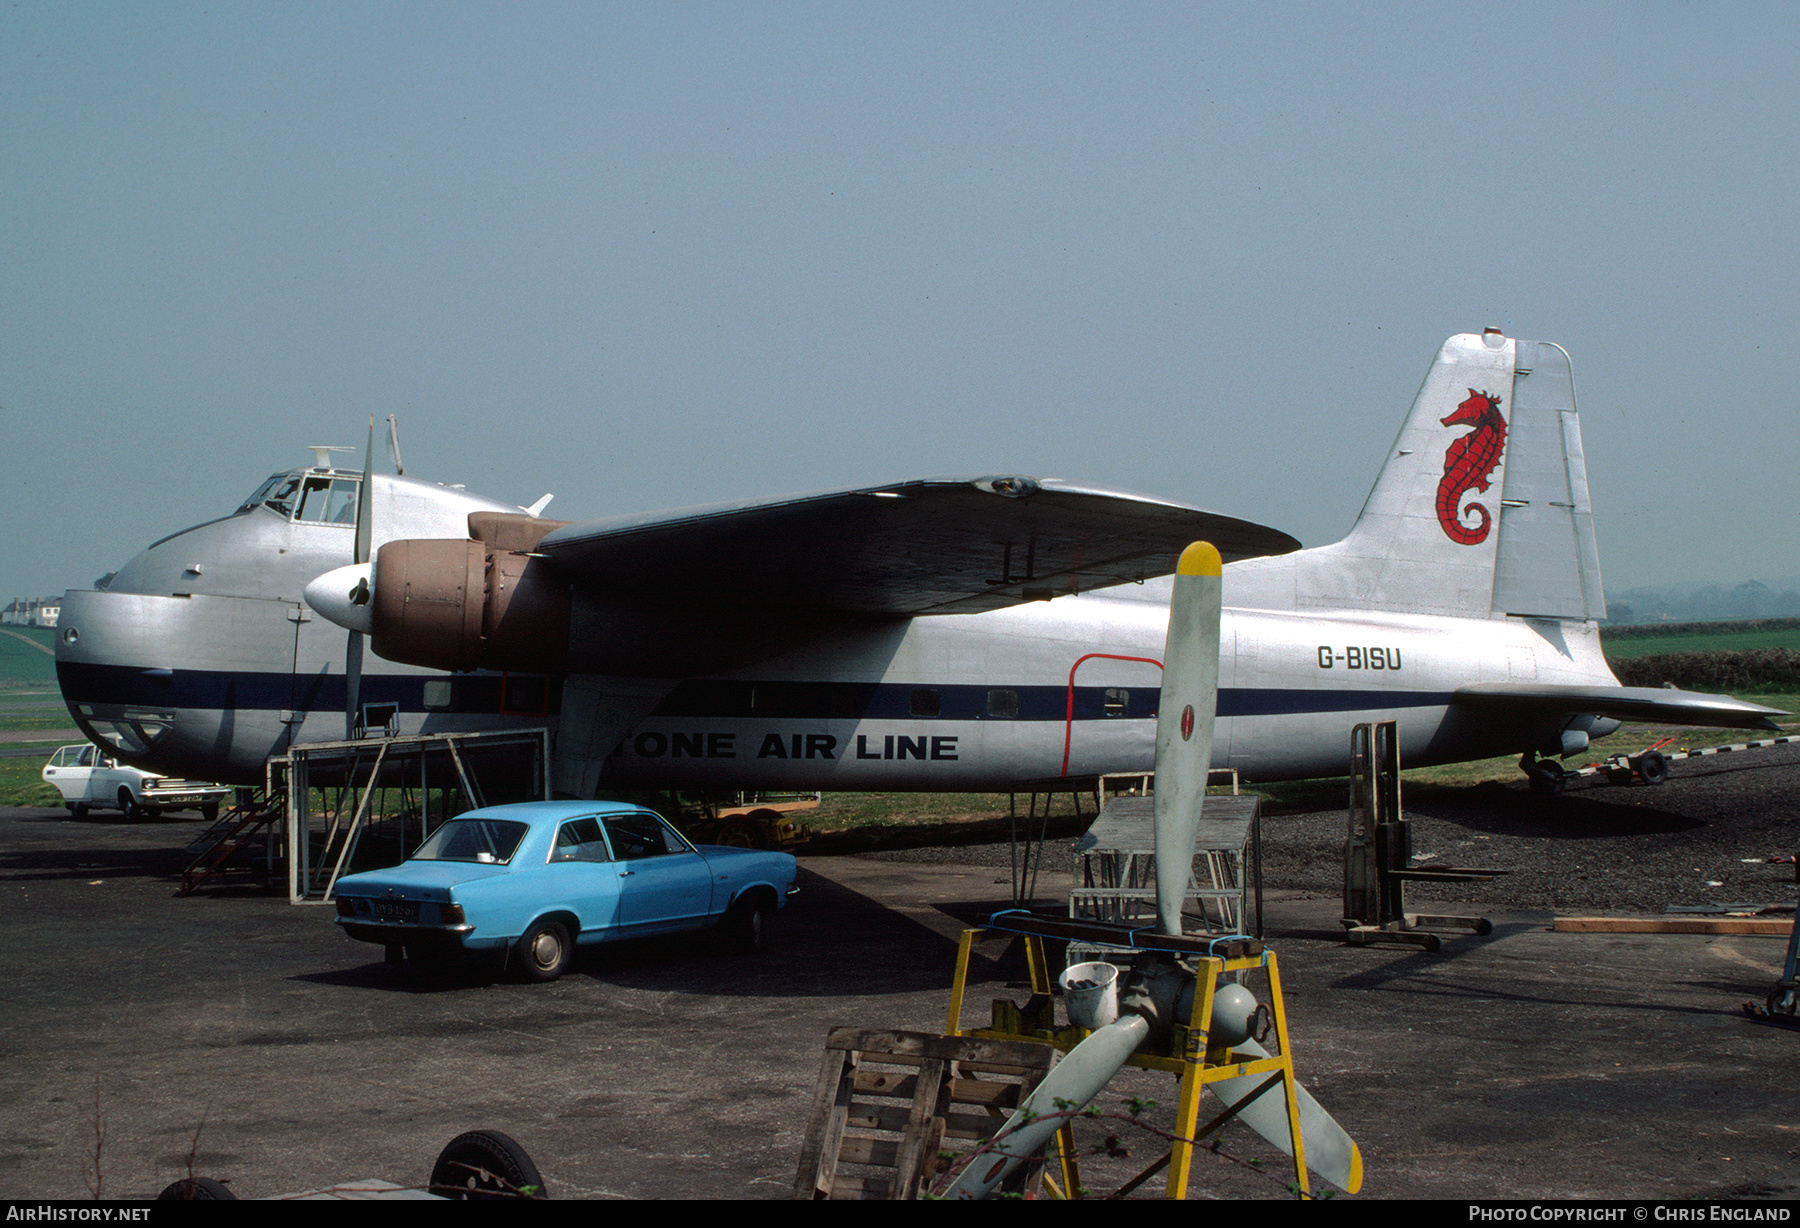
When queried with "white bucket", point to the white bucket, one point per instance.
{"points": [[1091, 991]]}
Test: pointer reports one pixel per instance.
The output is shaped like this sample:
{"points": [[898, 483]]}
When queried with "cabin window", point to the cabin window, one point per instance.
{"points": [[926, 701], [1003, 704], [1116, 701]]}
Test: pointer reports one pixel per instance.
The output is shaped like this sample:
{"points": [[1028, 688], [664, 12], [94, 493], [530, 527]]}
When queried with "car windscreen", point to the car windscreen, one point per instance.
{"points": [[491, 841]]}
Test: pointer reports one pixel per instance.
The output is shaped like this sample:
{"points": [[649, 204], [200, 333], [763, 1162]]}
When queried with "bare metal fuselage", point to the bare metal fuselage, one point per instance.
{"points": [[209, 684]]}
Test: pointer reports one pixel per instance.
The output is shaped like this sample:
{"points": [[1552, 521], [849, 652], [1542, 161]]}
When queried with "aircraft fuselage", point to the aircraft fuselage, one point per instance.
{"points": [[211, 685]]}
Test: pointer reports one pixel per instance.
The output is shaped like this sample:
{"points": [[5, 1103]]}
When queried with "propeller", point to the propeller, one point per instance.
{"points": [[1184, 724], [1184, 735]]}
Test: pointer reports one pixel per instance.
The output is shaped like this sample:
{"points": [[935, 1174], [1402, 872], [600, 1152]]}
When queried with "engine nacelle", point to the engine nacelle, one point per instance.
{"points": [[485, 603]]}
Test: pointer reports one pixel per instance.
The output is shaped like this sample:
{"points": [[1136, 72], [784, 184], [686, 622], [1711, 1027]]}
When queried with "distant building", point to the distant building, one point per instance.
{"points": [[30, 612]]}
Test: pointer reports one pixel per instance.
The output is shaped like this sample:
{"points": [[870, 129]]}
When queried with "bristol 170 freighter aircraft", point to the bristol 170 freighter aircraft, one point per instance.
{"points": [[990, 633]]}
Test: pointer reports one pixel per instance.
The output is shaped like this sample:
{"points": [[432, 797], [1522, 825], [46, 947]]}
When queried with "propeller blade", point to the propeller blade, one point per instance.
{"points": [[1330, 1152], [363, 548], [353, 656], [1184, 724], [365, 500], [1083, 1074]]}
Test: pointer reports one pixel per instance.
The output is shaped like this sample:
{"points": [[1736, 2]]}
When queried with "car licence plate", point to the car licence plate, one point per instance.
{"points": [[396, 910]]}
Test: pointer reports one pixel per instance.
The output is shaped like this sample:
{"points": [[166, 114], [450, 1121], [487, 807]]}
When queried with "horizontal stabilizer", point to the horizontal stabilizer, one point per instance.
{"points": [[935, 546], [1628, 703]]}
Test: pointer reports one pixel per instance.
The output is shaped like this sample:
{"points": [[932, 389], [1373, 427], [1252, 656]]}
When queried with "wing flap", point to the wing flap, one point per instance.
{"points": [[1629, 703], [934, 546]]}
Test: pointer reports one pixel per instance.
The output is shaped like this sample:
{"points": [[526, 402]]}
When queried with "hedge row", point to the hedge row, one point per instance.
{"points": [[1747, 670]]}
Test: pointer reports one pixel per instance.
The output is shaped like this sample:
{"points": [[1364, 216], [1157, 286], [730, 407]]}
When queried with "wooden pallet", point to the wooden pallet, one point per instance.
{"points": [[890, 1106]]}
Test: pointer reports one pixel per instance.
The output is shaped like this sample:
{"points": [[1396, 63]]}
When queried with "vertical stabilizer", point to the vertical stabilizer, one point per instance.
{"points": [[1481, 508]]}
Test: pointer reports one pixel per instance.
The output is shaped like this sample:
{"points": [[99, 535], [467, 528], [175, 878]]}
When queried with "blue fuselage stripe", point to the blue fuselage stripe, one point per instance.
{"points": [[814, 702]]}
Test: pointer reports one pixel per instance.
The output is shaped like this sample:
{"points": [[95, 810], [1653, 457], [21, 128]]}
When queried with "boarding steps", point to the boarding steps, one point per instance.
{"points": [[236, 829]]}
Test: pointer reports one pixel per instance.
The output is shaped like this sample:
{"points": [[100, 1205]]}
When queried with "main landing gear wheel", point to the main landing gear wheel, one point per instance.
{"points": [[485, 1164], [543, 952], [1547, 775]]}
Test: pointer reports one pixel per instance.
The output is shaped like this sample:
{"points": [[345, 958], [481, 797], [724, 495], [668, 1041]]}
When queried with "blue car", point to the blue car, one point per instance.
{"points": [[536, 879]]}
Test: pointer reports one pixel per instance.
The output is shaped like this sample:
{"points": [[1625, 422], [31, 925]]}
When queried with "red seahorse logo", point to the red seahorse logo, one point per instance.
{"points": [[1469, 464]]}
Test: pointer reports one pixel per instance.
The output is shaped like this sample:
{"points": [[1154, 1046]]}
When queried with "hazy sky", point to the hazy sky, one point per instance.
{"points": [[653, 254]]}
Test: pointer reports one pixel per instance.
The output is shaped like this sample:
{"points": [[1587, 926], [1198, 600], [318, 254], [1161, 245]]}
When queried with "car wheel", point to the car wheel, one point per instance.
{"points": [[747, 925], [210, 812], [129, 808], [78, 810], [543, 951], [485, 1164], [1653, 769]]}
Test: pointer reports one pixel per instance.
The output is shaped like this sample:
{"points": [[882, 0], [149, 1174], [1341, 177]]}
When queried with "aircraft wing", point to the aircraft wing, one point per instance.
{"points": [[934, 546], [1629, 703]]}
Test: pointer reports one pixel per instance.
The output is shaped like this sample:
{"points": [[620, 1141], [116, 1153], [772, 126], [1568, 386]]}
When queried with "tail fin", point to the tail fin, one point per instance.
{"points": [[1481, 509]]}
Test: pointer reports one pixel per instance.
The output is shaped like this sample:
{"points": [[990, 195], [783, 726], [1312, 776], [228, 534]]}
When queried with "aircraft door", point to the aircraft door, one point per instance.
{"points": [[1109, 719]]}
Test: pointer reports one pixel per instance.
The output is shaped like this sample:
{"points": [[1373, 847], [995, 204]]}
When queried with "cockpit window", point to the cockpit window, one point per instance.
{"points": [[277, 493], [315, 498], [328, 501]]}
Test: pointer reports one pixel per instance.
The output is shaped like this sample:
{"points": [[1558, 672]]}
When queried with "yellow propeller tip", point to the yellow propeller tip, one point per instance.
{"points": [[1199, 559]]}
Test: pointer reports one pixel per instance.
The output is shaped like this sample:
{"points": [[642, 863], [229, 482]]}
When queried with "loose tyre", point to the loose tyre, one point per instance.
{"points": [[485, 1164], [1653, 769], [544, 951], [196, 1189]]}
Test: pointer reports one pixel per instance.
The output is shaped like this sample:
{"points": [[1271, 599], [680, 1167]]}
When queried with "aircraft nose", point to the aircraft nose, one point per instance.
{"points": [[345, 596]]}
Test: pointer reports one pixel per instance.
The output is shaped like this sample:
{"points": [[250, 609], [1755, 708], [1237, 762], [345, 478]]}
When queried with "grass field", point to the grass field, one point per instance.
{"points": [[1718, 641], [27, 657]]}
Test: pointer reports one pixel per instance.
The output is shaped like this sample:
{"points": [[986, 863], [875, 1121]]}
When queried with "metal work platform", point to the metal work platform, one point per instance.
{"points": [[467, 770], [1115, 867]]}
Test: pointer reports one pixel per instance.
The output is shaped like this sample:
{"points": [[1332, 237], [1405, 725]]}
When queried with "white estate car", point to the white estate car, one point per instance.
{"points": [[89, 778]]}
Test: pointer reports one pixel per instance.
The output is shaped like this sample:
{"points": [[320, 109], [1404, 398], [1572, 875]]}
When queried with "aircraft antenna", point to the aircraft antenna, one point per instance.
{"points": [[394, 445]]}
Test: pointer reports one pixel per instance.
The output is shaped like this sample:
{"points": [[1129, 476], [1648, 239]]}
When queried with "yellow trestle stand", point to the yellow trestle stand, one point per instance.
{"points": [[1189, 1055]]}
